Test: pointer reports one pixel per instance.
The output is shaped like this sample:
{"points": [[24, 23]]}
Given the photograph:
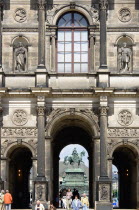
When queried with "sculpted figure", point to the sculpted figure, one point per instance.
{"points": [[124, 59], [20, 58]]}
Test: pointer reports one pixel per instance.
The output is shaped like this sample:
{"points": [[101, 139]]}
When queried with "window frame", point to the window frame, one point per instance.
{"points": [[73, 28]]}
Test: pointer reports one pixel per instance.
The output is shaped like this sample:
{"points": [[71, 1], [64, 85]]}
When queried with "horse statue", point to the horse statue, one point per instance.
{"points": [[74, 158]]}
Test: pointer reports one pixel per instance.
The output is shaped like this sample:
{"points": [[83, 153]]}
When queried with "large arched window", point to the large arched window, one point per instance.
{"points": [[72, 44]]}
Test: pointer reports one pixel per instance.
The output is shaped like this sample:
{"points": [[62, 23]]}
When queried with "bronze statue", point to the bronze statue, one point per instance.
{"points": [[74, 158]]}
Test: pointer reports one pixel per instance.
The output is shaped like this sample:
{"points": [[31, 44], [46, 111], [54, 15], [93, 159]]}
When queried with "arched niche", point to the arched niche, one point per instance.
{"points": [[20, 46], [125, 54]]}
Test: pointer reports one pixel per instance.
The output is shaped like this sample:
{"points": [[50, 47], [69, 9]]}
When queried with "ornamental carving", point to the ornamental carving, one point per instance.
{"points": [[124, 15], [20, 15], [125, 118], [41, 110], [19, 132], [103, 4], [19, 117], [40, 192], [104, 192], [103, 110], [123, 132], [7, 142]]}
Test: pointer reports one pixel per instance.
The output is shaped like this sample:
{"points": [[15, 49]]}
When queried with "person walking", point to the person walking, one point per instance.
{"points": [[85, 202], [39, 206], [8, 200], [68, 199], [76, 203], [2, 200]]}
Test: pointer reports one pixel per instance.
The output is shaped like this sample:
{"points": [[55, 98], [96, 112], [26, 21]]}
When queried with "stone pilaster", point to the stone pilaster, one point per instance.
{"points": [[104, 183], [49, 167], [1, 120], [40, 181], [1, 18], [41, 74], [103, 73]]}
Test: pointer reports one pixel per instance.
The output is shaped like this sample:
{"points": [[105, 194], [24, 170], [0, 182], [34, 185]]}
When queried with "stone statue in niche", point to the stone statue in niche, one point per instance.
{"points": [[20, 58], [124, 59]]}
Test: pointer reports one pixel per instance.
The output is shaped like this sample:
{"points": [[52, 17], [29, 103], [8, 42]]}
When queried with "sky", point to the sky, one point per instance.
{"points": [[67, 151]]}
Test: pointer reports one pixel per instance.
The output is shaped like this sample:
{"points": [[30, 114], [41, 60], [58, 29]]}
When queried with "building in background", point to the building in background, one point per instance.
{"points": [[69, 73]]}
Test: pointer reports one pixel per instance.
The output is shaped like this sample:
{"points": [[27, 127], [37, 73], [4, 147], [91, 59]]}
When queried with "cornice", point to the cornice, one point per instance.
{"points": [[8, 29]]}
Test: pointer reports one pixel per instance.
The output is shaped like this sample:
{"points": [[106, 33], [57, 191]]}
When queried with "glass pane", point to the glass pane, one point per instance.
{"points": [[67, 57], [77, 57], [76, 67], [60, 57], [84, 67], [61, 22], [61, 67], [77, 23], [84, 46], [60, 46], [77, 46], [67, 46], [67, 35], [67, 17], [69, 23], [84, 57], [60, 35], [68, 67], [77, 36], [84, 36], [83, 22], [77, 16]]}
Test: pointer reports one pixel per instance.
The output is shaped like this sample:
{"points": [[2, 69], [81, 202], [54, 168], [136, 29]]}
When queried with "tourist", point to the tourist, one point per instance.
{"points": [[39, 206], [8, 200], [52, 207], [68, 199], [76, 203], [2, 200], [85, 202]]}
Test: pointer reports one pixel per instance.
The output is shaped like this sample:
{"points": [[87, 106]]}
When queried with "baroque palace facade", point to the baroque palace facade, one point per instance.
{"points": [[69, 73]]}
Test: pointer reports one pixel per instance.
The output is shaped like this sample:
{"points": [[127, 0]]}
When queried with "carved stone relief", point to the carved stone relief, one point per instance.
{"points": [[123, 132], [124, 15], [20, 15], [19, 132], [40, 192], [19, 117], [6, 142], [125, 118], [104, 192]]}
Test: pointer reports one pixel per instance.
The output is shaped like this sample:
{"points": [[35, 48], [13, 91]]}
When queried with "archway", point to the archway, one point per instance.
{"points": [[125, 161], [72, 135], [20, 172]]}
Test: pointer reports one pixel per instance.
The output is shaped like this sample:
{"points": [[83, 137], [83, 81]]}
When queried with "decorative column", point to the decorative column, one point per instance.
{"points": [[103, 5], [104, 183], [92, 38], [49, 167], [1, 18], [1, 120], [103, 76], [41, 78], [40, 182]]}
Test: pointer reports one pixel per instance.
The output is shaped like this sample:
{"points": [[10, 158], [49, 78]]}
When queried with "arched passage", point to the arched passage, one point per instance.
{"points": [[72, 135], [20, 165], [124, 159]]}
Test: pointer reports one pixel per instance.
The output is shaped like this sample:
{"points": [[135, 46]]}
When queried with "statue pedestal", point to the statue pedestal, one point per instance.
{"points": [[104, 194], [41, 77], [40, 186], [103, 77], [75, 178]]}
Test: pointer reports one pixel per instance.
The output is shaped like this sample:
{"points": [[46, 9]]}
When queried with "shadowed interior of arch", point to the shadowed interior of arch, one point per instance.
{"points": [[72, 135], [125, 161], [19, 177]]}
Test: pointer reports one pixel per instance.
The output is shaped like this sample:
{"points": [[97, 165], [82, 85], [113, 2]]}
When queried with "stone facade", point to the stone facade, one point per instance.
{"points": [[38, 104]]}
